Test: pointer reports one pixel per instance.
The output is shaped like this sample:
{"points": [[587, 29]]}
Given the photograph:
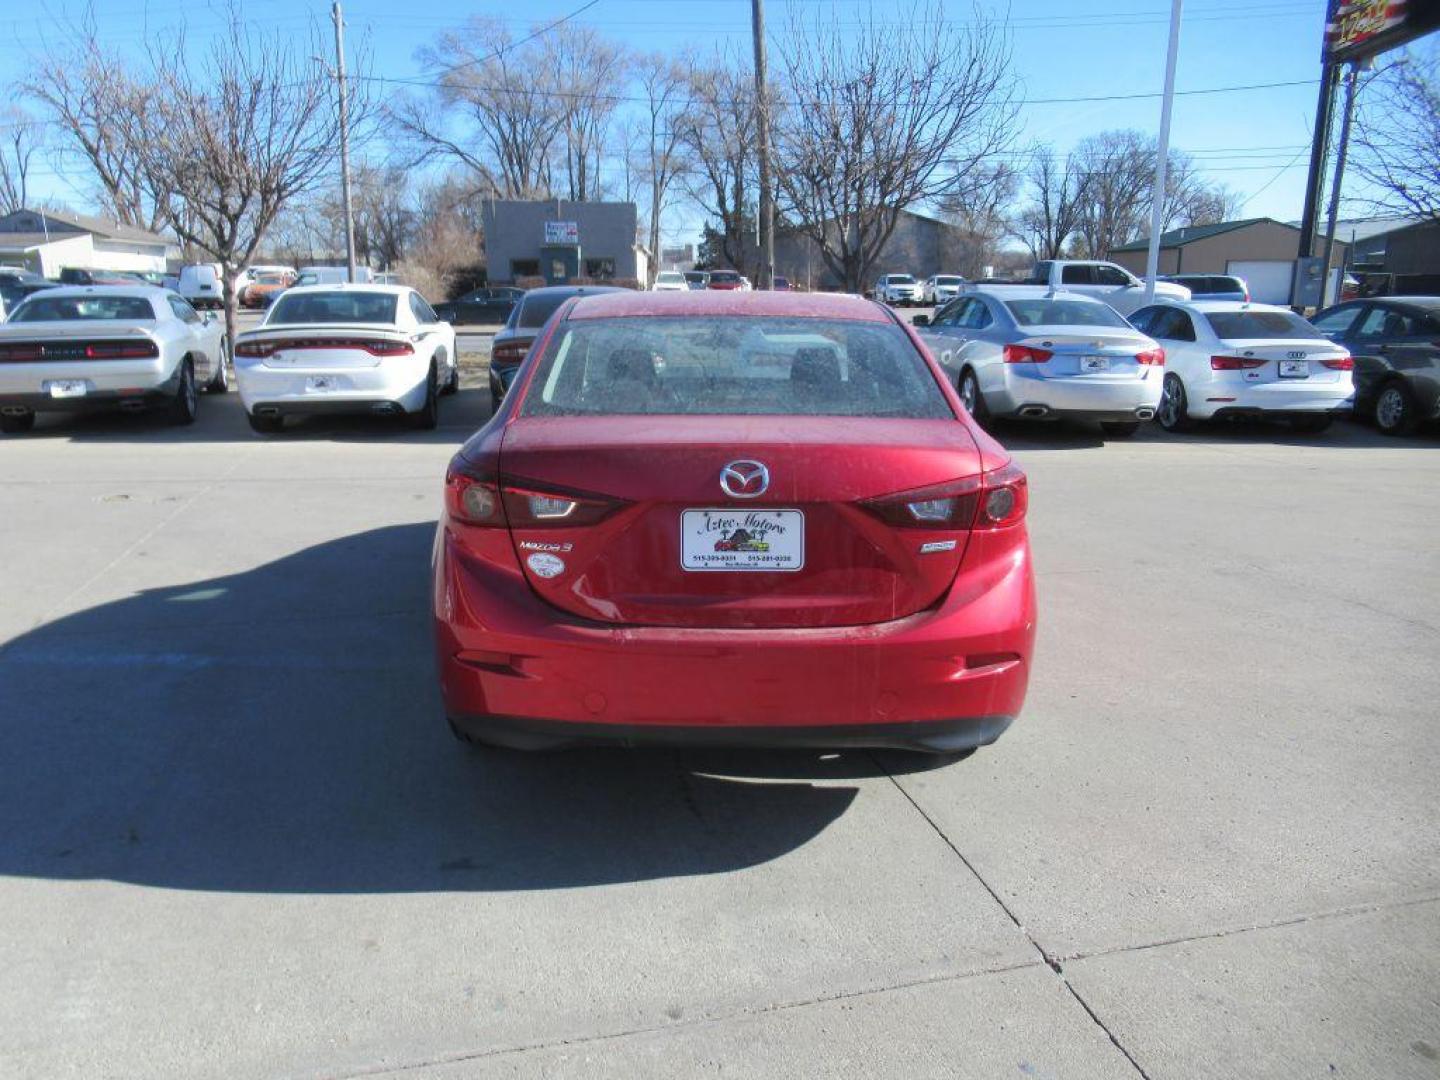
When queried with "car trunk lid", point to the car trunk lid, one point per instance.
{"points": [[670, 554]]}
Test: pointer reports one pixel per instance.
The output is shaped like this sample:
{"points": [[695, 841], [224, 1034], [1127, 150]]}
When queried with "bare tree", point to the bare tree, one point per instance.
{"points": [[1057, 193], [718, 131], [1118, 168], [584, 64], [87, 91], [233, 135], [892, 115], [976, 214], [1397, 137], [664, 82], [21, 138]]}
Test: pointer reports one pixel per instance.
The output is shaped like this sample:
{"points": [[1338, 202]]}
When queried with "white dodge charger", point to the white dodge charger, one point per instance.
{"points": [[90, 347], [376, 349]]}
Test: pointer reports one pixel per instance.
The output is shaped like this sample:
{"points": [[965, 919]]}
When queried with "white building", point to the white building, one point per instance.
{"points": [[47, 241]]}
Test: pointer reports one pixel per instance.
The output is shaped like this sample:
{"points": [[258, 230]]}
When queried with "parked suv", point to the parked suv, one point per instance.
{"points": [[1211, 286]]}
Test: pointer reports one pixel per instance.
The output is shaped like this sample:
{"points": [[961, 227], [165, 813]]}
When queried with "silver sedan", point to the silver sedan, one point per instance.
{"points": [[1039, 354]]}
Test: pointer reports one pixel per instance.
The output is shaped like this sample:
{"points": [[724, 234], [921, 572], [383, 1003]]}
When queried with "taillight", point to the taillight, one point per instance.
{"points": [[478, 500], [1235, 363], [22, 352], [472, 499], [992, 500], [373, 346], [1151, 357], [1026, 354], [122, 350], [1340, 363], [509, 353]]}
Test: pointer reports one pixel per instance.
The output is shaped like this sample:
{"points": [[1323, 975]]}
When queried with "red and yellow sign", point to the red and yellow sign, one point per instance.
{"points": [[1356, 29]]}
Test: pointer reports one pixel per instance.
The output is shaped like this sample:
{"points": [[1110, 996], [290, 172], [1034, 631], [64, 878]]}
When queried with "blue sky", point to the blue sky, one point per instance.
{"points": [[1254, 141]]}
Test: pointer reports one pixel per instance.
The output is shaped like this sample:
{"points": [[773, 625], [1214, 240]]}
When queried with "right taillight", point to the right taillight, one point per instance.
{"points": [[1026, 354], [1235, 363], [991, 500], [1340, 363]]}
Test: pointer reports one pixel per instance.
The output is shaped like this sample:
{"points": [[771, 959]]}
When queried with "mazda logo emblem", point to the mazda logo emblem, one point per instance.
{"points": [[744, 479]]}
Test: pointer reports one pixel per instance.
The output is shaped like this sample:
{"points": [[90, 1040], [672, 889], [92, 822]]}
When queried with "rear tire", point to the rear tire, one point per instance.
{"points": [[1173, 413], [496, 400], [971, 397], [452, 384], [220, 382], [17, 425], [184, 408], [1311, 424], [1119, 429], [428, 418], [266, 425], [1395, 411]]}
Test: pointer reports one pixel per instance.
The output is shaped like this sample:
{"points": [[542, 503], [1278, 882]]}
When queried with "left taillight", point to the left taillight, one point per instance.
{"points": [[1340, 363], [254, 349], [992, 500], [508, 353], [1025, 354], [481, 500], [1151, 357]]}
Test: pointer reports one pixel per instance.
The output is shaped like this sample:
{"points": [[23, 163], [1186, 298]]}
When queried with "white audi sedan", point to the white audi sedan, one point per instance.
{"points": [[1032, 353], [373, 349], [85, 348], [1227, 358]]}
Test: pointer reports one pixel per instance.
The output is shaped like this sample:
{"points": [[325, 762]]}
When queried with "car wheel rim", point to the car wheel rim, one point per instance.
{"points": [[1390, 408], [1169, 407], [188, 389], [967, 393]]}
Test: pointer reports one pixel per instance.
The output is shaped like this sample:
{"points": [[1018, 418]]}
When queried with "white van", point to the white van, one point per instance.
{"points": [[200, 283], [333, 275]]}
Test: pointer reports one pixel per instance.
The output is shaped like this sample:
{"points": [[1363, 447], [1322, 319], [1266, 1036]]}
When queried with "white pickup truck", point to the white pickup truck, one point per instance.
{"points": [[1105, 281]]}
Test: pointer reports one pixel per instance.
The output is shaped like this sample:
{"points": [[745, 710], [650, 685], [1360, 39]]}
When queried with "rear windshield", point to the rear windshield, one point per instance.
{"points": [[535, 311], [333, 307], [695, 275], [1042, 311], [733, 366], [65, 308], [724, 275], [1247, 325]]}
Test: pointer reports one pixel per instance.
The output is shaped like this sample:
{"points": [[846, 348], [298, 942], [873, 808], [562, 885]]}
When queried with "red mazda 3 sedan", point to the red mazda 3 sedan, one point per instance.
{"points": [[762, 520]]}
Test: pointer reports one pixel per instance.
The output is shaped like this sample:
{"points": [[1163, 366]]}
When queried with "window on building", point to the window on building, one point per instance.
{"points": [[524, 268], [600, 269]]}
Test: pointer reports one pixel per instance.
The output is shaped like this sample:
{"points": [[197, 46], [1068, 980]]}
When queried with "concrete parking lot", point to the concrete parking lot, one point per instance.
{"points": [[240, 841]]}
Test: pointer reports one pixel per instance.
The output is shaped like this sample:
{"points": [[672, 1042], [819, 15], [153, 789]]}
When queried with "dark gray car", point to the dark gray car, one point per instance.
{"points": [[1396, 345], [527, 318]]}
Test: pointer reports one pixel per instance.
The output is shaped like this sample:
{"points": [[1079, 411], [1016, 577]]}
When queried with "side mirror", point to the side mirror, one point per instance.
{"points": [[920, 320]]}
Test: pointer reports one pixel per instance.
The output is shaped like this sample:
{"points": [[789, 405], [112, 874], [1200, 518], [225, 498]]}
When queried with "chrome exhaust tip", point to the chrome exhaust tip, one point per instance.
{"points": [[1144, 414], [1034, 411]]}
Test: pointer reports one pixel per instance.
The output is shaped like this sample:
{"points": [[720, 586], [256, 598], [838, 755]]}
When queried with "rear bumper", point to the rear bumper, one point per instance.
{"points": [[391, 386], [111, 384], [1272, 399], [512, 668], [1079, 397]]}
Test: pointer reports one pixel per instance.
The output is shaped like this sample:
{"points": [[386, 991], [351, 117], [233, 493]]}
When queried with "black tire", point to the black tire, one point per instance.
{"points": [[428, 418], [1395, 411], [1311, 423], [17, 425], [220, 382], [186, 404], [1173, 413], [971, 397], [452, 384], [1119, 429], [266, 425], [496, 400]]}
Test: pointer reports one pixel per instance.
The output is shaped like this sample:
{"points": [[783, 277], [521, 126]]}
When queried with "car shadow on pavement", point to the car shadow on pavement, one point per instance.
{"points": [[222, 420], [280, 730], [1034, 436]]}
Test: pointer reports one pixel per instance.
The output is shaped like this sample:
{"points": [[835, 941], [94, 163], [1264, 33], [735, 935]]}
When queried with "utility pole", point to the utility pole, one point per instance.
{"points": [[1319, 151], [1351, 78], [1162, 154], [339, 20], [766, 224]]}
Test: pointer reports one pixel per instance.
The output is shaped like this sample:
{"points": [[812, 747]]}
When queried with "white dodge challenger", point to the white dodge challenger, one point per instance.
{"points": [[94, 347]]}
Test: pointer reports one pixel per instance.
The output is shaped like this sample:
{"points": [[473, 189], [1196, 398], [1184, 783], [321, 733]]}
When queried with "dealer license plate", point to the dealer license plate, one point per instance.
{"points": [[731, 538], [1294, 369], [63, 388], [1094, 363]]}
